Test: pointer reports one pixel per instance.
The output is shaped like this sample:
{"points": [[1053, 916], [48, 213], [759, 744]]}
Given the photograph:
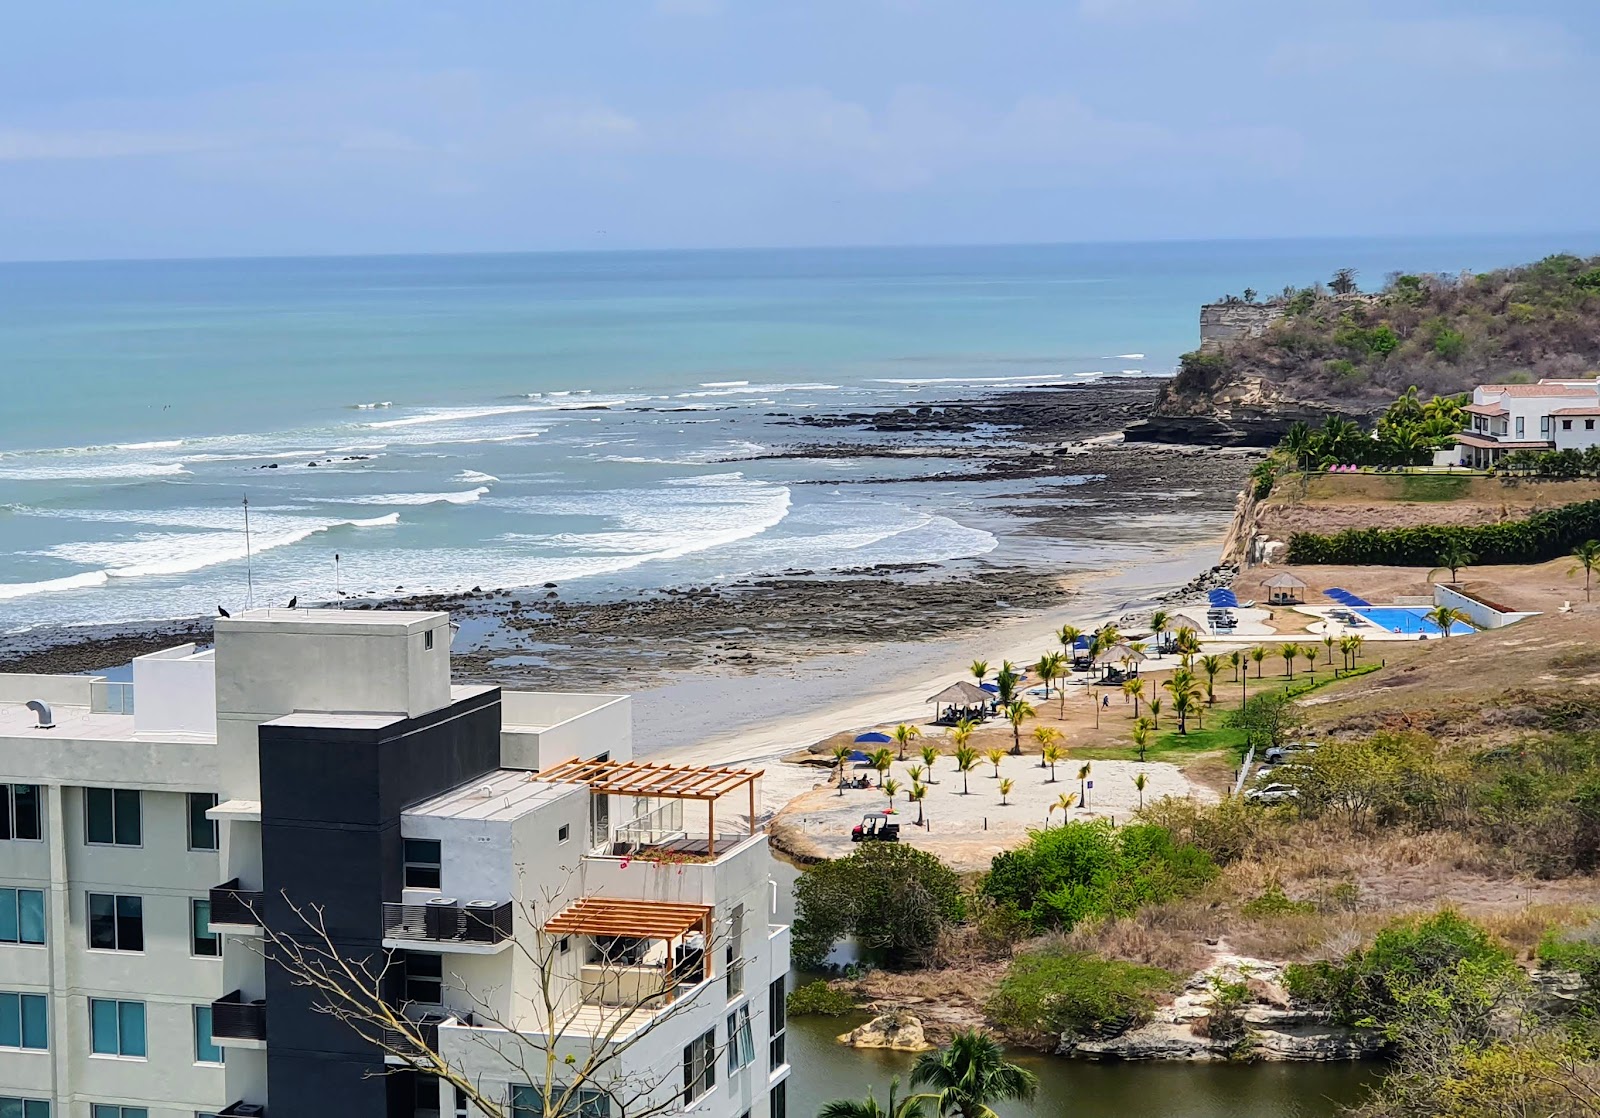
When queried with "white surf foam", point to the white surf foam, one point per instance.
{"points": [[476, 477], [723, 383], [466, 497], [158, 444], [89, 472], [1127, 357], [453, 415], [9, 590]]}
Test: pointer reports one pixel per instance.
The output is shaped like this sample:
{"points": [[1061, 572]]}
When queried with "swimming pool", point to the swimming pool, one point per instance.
{"points": [[1404, 619]]}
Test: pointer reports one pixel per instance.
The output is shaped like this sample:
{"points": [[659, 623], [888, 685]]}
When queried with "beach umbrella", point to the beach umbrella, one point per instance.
{"points": [[858, 758], [990, 687], [873, 738]]}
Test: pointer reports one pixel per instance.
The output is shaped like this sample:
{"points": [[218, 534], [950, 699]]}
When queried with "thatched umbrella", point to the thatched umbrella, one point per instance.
{"points": [[960, 694]]}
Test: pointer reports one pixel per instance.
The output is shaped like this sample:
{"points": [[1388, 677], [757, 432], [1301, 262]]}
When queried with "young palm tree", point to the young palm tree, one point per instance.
{"points": [[904, 735], [1185, 691], [891, 788], [1141, 737], [914, 772], [1327, 642], [1083, 783], [1052, 754], [909, 1107], [1288, 652], [1236, 661], [994, 757], [1357, 642], [979, 669], [1187, 642], [918, 793], [1155, 712], [1346, 651], [966, 761], [881, 759], [930, 753], [1047, 669], [1444, 618], [1018, 711], [1587, 555], [1308, 653], [1005, 789], [1454, 556], [1139, 781], [1068, 636], [1258, 654], [1159, 621], [1211, 665], [1063, 802], [1133, 689], [841, 754]]}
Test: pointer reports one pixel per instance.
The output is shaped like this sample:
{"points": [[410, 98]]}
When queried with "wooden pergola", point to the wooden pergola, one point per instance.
{"points": [[659, 780], [661, 920]]}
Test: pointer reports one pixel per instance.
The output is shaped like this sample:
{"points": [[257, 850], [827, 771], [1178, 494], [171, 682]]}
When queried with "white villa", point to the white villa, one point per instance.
{"points": [[1550, 415]]}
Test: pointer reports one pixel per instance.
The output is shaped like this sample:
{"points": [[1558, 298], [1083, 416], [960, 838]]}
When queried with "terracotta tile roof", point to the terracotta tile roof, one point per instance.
{"points": [[1504, 444], [1538, 390], [1485, 409], [1576, 411]]}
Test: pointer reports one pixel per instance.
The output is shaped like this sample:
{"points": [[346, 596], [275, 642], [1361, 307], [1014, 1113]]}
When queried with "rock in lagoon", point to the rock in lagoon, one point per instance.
{"points": [[900, 1032]]}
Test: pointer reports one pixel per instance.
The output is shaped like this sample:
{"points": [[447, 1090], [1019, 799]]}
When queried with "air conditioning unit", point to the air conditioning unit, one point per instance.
{"points": [[441, 918], [247, 1110], [491, 905]]}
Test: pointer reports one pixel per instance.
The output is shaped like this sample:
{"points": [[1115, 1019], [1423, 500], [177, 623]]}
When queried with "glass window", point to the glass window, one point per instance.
{"points": [[103, 1110], [778, 1100], [422, 864], [777, 1022], [25, 817], [528, 1102], [111, 816], [699, 1066], [736, 952], [202, 831], [21, 917], [206, 1050], [12, 1107], [116, 1028], [202, 940], [23, 1021], [741, 1044], [424, 977], [116, 923]]}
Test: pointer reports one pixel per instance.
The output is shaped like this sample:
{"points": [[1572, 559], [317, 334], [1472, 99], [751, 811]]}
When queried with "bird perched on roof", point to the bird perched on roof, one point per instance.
{"points": [[293, 600], [222, 612]]}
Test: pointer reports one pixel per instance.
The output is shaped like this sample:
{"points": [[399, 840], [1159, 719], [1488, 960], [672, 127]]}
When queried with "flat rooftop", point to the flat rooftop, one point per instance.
{"points": [[353, 620], [497, 797], [17, 721]]}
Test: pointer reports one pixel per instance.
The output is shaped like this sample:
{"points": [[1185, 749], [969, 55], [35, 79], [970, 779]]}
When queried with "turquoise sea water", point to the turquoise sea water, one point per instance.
{"points": [[510, 420]]}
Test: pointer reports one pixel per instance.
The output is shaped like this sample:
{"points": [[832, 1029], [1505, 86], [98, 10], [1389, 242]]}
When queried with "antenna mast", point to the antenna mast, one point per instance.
{"points": [[249, 574], [337, 593]]}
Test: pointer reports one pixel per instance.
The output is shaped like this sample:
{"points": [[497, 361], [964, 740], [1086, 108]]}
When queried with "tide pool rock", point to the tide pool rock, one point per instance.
{"points": [[899, 1032]]}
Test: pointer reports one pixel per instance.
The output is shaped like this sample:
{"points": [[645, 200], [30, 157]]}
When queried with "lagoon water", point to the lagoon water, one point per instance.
{"points": [[510, 420]]}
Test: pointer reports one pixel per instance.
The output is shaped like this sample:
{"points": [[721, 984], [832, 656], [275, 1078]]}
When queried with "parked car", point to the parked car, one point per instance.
{"points": [[1272, 794]]}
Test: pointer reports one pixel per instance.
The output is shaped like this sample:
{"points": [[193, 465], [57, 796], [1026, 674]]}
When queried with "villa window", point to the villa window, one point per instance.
{"points": [[699, 1066], [13, 1107], [21, 919], [1544, 425], [202, 831], [777, 1022], [1519, 427], [1566, 424], [24, 1021], [741, 1041], [424, 977], [206, 1049], [422, 868], [203, 941], [19, 812], [112, 817], [1588, 425]]}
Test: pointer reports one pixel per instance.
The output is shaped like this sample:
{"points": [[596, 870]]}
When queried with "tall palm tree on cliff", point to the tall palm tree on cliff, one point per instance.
{"points": [[969, 1074]]}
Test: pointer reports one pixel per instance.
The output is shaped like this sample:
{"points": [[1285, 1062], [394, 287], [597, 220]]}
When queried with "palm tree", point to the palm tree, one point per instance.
{"points": [[930, 753], [1346, 651], [1017, 712], [1159, 620], [1048, 669], [881, 759], [1155, 713], [1052, 754], [1327, 642], [1187, 642], [966, 761], [1083, 783], [1005, 789], [1211, 665], [1133, 689], [841, 754], [1258, 654], [891, 788], [1139, 781], [1288, 652], [994, 757], [904, 735], [908, 1107], [1064, 802], [1068, 636], [1308, 653], [1236, 661], [1297, 442], [918, 793], [1454, 556], [1444, 617], [1141, 737], [1185, 691], [1587, 555], [1357, 641], [1005, 682], [914, 772], [979, 669]]}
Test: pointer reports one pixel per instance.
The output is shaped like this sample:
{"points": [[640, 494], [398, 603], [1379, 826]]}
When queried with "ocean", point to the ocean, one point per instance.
{"points": [[594, 420]]}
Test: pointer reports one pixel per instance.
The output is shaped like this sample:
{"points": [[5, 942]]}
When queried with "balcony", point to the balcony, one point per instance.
{"points": [[239, 1023], [243, 1110], [477, 927], [233, 907]]}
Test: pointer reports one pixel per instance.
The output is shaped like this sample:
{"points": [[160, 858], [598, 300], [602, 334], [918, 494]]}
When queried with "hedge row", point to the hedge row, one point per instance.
{"points": [[1544, 535]]}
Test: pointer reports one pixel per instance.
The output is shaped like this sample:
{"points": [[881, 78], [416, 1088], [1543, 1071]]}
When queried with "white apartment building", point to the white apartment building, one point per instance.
{"points": [[1550, 415], [521, 882]]}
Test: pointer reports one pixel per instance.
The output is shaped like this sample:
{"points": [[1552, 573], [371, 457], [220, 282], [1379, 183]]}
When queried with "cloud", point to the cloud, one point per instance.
{"points": [[1462, 47]]}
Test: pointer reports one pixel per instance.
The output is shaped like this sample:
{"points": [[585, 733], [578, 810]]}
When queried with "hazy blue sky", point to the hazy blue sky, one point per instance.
{"points": [[180, 127]]}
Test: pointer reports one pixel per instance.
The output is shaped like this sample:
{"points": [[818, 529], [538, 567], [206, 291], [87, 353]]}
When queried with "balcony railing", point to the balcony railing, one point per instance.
{"points": [[233, 905], [233, 1018], [110, 698], [446, 921], [399, 1044]]}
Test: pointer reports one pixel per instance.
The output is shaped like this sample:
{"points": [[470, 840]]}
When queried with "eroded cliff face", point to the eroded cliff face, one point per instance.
{"points": [[1234, 411], [1222, 322]]}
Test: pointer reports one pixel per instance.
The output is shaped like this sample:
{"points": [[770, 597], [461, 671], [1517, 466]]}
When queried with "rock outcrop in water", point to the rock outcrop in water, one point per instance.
{"points": [[899, 1032]]}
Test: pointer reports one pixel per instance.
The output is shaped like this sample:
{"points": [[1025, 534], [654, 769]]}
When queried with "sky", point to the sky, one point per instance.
{"points": [[190, 128]]}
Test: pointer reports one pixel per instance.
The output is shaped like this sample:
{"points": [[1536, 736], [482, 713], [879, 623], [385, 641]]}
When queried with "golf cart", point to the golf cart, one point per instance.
{"points": [[875, 827]]}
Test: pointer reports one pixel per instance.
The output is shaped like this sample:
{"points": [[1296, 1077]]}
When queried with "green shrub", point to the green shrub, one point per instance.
{"points": [[893, 898], [820, 999], [1275, 902], [1548, 534], [1450, 344], [1050, 992], [1063, 874]]}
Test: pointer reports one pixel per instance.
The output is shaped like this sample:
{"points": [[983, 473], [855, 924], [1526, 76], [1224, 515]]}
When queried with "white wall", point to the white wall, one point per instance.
{"points": [[539, 730], [1584, 432], [1481, 614], [175, 692], [67, 690]]}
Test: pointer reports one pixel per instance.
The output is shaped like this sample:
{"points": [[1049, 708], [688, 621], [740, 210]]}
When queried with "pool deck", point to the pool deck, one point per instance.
{"points": [[1253, 628]]}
